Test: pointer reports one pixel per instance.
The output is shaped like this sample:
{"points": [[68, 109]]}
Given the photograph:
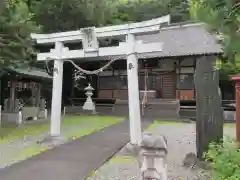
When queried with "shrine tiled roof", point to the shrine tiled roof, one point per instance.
{"points": [[190, 39], [33, 72], [183, 40]]}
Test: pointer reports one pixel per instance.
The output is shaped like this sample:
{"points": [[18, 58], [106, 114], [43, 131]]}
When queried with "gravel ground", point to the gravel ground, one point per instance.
{"points": [[181, 141]]}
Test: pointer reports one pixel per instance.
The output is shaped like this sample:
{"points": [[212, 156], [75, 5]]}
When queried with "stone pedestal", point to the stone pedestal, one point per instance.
{"points": [[153, 152]]}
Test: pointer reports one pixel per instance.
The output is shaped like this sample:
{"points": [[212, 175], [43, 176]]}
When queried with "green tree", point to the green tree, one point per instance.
{"points": [[16, 25], [222, 17], [64, 15], [228, 69], [140, 10]]}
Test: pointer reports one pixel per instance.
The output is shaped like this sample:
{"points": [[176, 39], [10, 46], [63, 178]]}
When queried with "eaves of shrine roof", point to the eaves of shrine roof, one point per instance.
{"points": [[31, 72]]}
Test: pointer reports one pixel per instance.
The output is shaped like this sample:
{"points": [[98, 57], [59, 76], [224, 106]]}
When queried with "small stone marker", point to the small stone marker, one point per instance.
{"points": [[209, 112], [153, 152]]}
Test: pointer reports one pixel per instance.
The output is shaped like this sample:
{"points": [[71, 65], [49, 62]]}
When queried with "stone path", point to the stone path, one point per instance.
{"points": [[181, 141], [74, 160]]}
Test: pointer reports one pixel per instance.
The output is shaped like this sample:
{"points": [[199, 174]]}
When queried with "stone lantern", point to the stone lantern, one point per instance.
{"points": [[153, 152], [89, 104], [237, 94]]}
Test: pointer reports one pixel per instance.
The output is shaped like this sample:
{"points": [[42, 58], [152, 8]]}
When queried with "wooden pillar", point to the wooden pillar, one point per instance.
{"points": [[12, 90], [38, 96], [237, 89], [33, 96], [12, 97], [4, 84], [68, 72], [1, 92]]}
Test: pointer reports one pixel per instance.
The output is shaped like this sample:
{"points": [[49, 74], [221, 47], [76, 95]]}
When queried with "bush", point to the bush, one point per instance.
{"points": [[225, 160]]}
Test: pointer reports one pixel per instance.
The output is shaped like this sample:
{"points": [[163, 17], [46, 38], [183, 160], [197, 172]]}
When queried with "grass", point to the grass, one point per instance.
{"points": [[23, 154], [121, 159], [159, 122], [87, 124], [168, 122], [90, 124], [11, 132], [233, 125], [118, 159], [30, 151]]}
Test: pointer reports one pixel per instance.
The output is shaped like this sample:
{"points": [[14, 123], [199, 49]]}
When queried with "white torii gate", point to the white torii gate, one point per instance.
{"points": [[89, 37]]}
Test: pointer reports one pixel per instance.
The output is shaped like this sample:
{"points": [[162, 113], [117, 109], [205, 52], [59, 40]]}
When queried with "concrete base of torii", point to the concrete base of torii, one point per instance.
{"points": [[52, 141]]}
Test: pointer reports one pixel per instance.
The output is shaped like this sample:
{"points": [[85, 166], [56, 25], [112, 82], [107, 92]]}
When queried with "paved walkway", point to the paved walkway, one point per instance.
{"points": [[75, 160]]}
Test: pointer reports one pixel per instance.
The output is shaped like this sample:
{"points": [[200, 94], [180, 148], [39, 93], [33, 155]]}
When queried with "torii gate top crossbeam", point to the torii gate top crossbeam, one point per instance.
{"points": [[108, 31]]}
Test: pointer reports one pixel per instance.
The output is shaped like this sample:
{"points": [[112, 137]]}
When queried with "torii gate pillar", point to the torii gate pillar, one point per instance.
{"points": [[133, 92], [57, 92]]}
